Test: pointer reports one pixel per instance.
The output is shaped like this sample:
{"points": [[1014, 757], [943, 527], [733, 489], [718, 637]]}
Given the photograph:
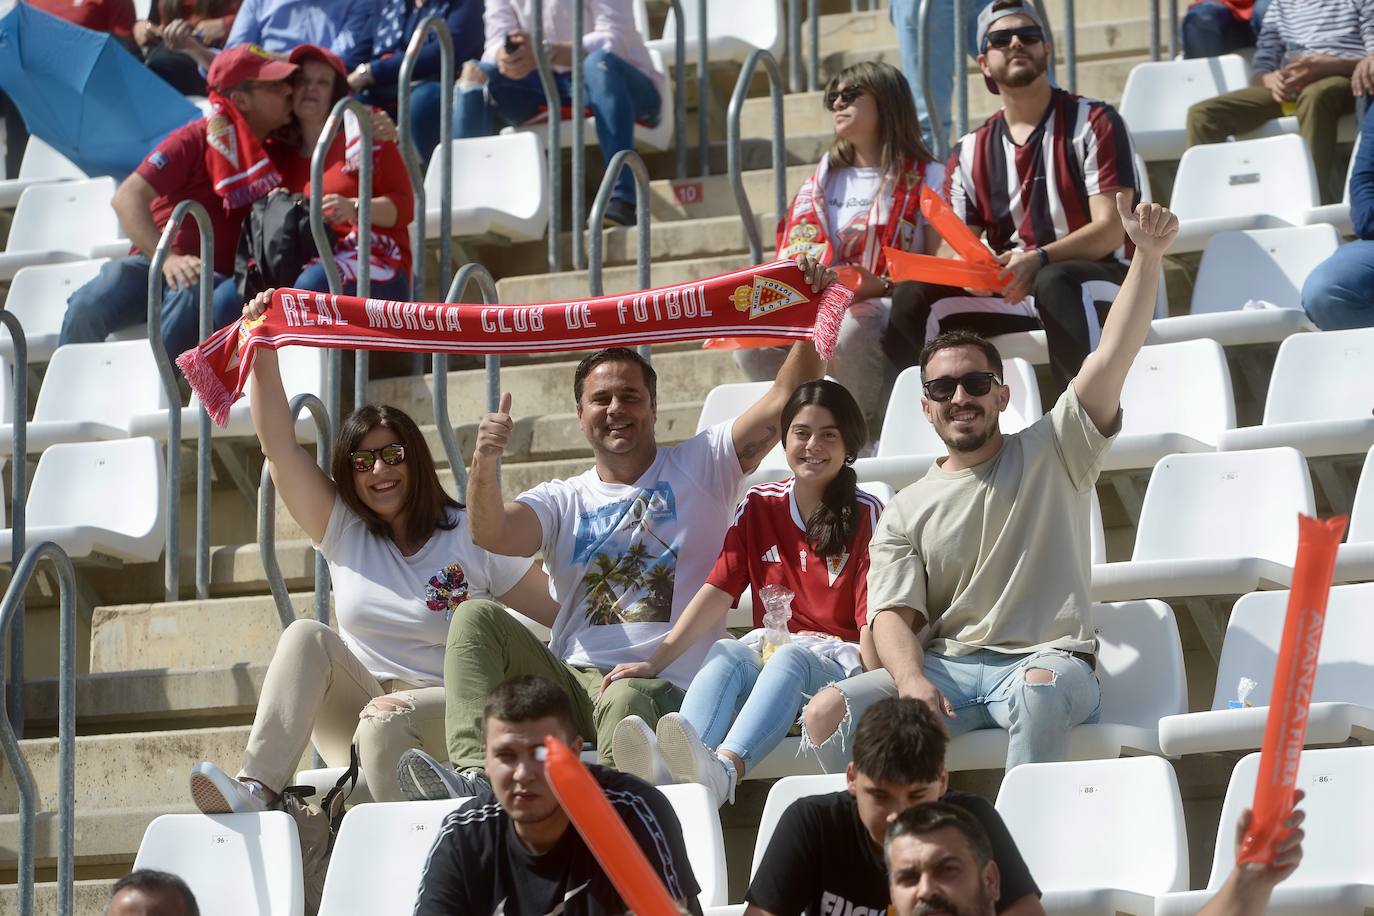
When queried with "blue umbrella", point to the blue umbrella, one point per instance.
{"points": [[84, 94]]}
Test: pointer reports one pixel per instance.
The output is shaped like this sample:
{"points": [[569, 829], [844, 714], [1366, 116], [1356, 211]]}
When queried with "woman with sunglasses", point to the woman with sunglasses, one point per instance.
{"points": [[807, 535], [864, 196], [401, 560]]}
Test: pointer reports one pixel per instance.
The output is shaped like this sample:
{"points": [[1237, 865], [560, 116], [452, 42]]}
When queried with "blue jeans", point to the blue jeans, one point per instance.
{"points": [[617, 93], [313, 277], [1339, 292], [1210, 29], [942, 66], [118, 298], [988, 690], [762, 701]]}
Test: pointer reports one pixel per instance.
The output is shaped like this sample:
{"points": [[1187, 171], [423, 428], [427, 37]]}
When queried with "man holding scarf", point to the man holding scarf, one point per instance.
{"points": [[217, 161]]}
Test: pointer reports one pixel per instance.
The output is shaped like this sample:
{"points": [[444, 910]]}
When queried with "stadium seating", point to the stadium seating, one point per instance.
{"points": [[65, 221], [1100, 836], [1342, 697], [379, 856], [725, 402], [780, 797], [1158, 94], [1337, 215], [1355, 558], [233, 863], [1337, 872], [38, 298], [511, 199], [733, 30], [41, 165], [701, 833]]}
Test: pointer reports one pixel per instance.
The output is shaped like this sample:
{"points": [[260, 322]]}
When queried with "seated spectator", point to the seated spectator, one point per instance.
{"points": [[280, 25], [1212, 28], [864, 197], [173, 28], [113, 16], [519, 854], [319, 84], [813, 864], [748, 693], [376, 59], [401, 561], [1039, 179], [1308, 52], [630, 542], [979, 572], [217, 161], [151, 893], [622, 87], [1339, 292], [941, 24]]}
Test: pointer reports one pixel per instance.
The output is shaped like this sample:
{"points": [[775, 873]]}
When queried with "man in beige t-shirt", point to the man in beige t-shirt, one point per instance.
{"points": [[979, 572]]}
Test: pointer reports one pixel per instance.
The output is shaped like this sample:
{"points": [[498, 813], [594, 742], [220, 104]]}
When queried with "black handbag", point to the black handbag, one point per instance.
{"points": [[275, 245]]}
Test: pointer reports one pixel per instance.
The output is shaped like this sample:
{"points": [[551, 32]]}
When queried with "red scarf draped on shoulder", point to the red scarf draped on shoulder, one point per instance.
{"points": [[239, 166]]}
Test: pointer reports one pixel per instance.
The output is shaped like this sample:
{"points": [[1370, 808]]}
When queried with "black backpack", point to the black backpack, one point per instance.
{"points": [[275, 244]]}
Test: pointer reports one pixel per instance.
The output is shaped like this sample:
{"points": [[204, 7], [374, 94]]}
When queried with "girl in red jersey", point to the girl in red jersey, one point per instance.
{"points": [[809, 535]]}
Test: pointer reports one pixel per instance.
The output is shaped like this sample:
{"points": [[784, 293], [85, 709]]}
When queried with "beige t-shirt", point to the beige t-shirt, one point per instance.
{"points": [[997, 556]]}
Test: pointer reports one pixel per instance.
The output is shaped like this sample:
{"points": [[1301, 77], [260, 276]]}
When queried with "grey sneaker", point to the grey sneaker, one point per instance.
{"points": [[422, 778], [635, 751], [691, 761], [216, 792]]}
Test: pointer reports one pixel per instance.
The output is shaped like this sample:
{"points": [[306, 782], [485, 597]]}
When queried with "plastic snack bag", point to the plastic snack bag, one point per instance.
{"points": [[777, 610], [1243, 691]]}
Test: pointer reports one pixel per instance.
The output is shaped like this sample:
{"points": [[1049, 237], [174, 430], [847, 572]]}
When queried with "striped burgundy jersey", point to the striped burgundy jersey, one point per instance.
{"points": [[1030, 195]]}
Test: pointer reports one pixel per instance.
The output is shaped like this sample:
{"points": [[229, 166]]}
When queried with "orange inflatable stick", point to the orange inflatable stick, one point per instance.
{"points": [[605, 833], [1286, 727], [903, 265], [953, 230]]}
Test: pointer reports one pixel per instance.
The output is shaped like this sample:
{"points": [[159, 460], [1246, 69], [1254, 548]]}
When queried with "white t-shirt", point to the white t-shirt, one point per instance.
{"points": [[849, 194], [393, 610], [626, 559]]}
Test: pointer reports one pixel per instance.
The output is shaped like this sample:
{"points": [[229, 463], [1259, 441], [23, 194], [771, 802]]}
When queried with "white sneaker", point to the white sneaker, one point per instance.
{"points": [[216, 792], [690, 761], [634, 748]]}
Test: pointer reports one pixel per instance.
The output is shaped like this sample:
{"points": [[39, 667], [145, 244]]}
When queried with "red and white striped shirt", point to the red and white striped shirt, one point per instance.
{"points": [[1030, 195]]}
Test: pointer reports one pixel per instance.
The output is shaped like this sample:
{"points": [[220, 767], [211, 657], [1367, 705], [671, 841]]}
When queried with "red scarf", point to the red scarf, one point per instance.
{"points": [[891, 223], [239, 166], [770, 300]]}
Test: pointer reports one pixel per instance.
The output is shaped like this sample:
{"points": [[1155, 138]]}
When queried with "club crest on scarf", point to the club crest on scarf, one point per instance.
{"points": [[446, 590], [220, 135], [765, 296]]}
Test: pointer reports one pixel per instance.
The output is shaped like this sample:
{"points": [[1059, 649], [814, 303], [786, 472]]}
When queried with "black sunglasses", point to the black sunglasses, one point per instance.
{"points": [[845, 96], [1029, 35], [363, 459], [976, 384]]}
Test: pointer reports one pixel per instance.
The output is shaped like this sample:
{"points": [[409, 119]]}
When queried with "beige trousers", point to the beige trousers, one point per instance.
{"points": [[317, 689]]}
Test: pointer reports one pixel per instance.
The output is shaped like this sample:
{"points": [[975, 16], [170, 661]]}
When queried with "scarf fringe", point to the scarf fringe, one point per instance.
{"points": [[830, 309], [203, 380]]}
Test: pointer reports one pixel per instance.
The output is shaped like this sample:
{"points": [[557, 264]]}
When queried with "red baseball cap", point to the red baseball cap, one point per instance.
{"points": [[315, 52], [246, 62]]}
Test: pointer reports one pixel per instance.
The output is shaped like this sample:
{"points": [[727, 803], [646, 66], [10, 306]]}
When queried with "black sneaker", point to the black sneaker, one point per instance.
{"points": [[422, 778], [620, 212]]}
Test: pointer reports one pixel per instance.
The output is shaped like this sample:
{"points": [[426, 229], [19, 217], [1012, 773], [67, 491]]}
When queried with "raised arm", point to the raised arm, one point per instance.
{"points": [[510, 529], [1248, 888], [1099, 382], [307, 491]]}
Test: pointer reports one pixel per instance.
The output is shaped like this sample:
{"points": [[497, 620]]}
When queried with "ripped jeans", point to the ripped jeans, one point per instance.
{"points": [[316, 687], [988, 689], [738, 704]]}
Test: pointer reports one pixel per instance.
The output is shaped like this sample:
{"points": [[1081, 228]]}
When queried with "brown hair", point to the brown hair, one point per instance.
{"points": [[929, 817], [164, 12], [527, 697], [831, 528], [960, 338], [898, 740], [426, 504], [898, 128]]}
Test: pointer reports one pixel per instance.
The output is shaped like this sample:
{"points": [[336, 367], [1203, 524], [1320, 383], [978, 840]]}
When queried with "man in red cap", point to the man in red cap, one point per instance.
{"points": [[217, 161]]}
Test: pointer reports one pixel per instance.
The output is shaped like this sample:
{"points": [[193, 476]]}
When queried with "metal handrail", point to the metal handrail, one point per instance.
{"points": [[555, 152], [18, 508], [794, 55], [960, 74], [1070, 46], [267, 519], [626, 158], [1154, 30], [939, 137], [732, 148], [66, 730], [411, 155], [324, 239], [486, 285], [703, 90], [813, 24], [1173, 29], [172, 391], [679, 94], [578, 202]]}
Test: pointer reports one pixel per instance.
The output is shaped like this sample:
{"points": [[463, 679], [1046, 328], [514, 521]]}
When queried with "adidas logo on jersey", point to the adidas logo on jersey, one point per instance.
{"points": [[771, 555]]}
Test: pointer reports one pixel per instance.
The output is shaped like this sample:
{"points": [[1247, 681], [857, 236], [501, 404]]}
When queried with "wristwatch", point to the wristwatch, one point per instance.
{"points": [[887, 286], [1044, 256]]}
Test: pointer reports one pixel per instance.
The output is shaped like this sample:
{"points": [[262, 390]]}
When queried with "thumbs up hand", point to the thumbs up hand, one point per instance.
{"points": [[493, 433]]}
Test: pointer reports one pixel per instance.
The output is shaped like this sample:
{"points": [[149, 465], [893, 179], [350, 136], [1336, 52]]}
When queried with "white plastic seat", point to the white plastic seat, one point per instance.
{"points": [[733, 30], [1355, 558], [702, 835], [379, 856], [1247, 184], [498, 187], [1267, 265], [41, 165], [1336, 877], [1321, 397], [780, 797], [1158, 94], [1342, 696], [233, 863], [66, 221], [1100, 836], [38, 298], [98, 498], [91, 392], [1338, 215], [727, 401], [1177, 398], [1214, 524]]}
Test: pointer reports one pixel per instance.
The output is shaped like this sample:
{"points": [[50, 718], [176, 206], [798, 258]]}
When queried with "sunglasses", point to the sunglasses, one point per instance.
{"points": [[1029, 35], [845, 96], [975, 384], [364, 459]]}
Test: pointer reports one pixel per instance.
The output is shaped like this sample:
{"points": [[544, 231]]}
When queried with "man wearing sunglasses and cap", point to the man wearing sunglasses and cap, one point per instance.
{"points": [[1039, 180], [979, 573]]}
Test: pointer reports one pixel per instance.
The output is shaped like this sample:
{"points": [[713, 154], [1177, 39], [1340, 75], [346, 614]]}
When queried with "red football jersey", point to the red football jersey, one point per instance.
{"points": [[767, 544]]}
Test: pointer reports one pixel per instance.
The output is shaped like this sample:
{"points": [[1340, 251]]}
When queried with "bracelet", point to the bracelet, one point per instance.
{"points": [[887, 286], [1044, 257]]}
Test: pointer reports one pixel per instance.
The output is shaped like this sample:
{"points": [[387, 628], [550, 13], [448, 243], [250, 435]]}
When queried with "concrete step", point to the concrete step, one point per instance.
{"points": [[573, 284], [88, 900], [107, 839], [699, 198], [158, 697]]}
